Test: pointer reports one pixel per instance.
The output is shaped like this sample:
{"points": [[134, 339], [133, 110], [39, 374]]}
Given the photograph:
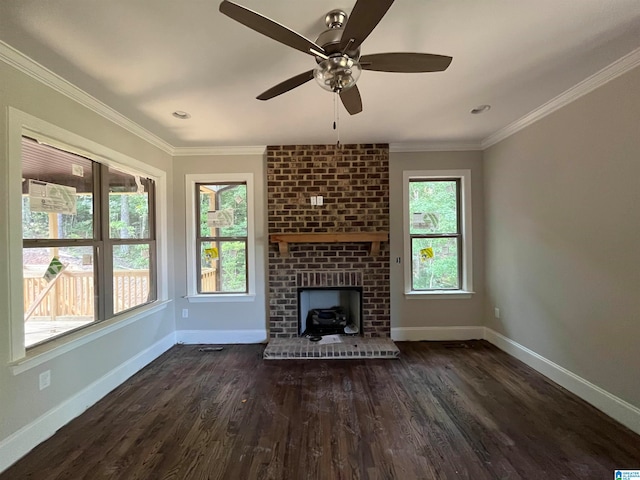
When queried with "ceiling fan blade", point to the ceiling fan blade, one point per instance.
{"points": [[366, 14], [287, 85], [405, 62], [351, 100], [271, 29]]}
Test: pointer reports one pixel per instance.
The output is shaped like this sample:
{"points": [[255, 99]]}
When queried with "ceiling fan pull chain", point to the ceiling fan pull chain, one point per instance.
{"points": [[336, 116]]}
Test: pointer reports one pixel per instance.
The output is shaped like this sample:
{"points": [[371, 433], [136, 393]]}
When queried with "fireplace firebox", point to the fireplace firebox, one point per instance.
{"points": [[330, 310]]}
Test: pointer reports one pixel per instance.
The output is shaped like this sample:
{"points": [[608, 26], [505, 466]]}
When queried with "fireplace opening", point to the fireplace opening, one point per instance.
{"points": [[330, 310]]}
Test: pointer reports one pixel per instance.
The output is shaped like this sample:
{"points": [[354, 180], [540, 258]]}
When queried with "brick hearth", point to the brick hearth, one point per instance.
{"points": [[354, 182]]}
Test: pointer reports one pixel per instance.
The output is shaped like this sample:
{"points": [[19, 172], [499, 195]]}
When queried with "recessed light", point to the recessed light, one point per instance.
{"points": [[480, 109], [181, 115]]}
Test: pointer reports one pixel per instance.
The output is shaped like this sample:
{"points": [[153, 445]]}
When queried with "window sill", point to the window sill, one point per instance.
{"points": [[50, 350], [439, 295], [223, 297]]}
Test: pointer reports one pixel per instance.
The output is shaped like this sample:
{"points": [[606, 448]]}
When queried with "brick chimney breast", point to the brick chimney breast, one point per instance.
{"points": [[354, 183]]}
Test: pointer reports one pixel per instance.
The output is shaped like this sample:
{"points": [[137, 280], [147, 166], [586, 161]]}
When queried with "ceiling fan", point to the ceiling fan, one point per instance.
{"points": [[337, 50]]}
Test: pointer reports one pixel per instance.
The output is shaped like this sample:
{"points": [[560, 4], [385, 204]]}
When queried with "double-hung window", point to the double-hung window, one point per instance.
{"points": [[220, 247], [89, 243], [437, 215], [222, 237]]}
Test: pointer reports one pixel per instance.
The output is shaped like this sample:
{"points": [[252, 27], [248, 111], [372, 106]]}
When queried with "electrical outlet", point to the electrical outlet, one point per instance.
{"points": [[45, 379], [313, 200], [319, 200], [496, 312], [185, 313]]}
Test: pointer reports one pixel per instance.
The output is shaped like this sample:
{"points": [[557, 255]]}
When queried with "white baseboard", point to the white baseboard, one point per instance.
{"points": [[615, 407], [416, 334], [209, 337], [21, 442]]}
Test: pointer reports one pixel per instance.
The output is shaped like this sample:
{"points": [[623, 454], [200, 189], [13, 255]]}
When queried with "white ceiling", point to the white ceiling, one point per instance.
{"points": [[148, 58]]}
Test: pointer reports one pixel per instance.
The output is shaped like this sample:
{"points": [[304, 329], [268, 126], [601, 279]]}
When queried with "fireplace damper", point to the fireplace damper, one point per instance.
{"points": [[330, 310]]}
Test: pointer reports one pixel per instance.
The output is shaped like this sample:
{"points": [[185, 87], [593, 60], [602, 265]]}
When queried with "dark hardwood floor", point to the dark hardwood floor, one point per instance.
{"points": [[442, 411]]}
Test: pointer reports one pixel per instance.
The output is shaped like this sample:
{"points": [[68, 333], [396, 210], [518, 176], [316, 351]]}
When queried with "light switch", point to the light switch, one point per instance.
{"points": [[319, 200], [313, 200]]}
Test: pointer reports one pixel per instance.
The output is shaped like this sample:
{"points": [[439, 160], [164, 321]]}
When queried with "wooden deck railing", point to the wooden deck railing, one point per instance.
{"points": [[208, 281], [73, 293], [130, 288]]}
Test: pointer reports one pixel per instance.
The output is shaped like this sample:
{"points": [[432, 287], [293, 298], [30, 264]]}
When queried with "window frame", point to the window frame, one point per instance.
{"points": [[457, 234], [200, 239], [102, 245], [193, 238], [23, 124], [465, 260]]}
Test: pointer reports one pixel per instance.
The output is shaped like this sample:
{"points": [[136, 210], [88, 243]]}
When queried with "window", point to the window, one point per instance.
{"points": [[438, 232], [220, 236], [88, 241]]}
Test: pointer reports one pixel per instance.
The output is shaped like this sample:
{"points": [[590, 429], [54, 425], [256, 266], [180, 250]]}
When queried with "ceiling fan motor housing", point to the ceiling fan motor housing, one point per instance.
{"points": [[330, 38]]}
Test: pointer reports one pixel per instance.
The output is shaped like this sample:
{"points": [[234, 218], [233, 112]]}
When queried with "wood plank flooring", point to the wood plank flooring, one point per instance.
{"points": [[441, 411]]}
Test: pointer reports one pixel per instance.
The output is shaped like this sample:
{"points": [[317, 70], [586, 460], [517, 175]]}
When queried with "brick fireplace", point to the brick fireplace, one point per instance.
{"points": [[354, 183]]}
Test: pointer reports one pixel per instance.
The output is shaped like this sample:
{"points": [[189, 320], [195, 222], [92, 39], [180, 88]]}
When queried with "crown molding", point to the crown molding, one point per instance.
{"points": [[608, 73], [434, 147], [21, 62], [231, 150]]}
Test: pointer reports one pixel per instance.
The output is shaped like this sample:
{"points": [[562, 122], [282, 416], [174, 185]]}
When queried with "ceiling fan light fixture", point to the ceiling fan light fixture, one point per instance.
{"points": [[337, 73]]}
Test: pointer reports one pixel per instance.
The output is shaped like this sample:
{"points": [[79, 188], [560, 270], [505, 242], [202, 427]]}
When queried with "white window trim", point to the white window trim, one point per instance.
{"points": [[192, 282], [22, 124], [467, 240]]}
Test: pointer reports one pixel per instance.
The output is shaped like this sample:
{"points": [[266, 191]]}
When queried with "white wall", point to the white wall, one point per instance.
{"points": [[563, 236], [433, 318], [28, 415], [221, 322]]}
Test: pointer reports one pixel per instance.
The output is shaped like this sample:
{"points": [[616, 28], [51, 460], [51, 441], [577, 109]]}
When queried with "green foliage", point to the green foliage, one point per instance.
{"points": [[129, 215], [131, 257], [437, 201], [439, 272], [233, 260]]}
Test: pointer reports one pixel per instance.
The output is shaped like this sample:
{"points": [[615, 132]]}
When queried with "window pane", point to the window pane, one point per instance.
{"points": [[57, 198], [223, 210], [223, 267], [131, 285], [435, 263], [433, 207], [128, 205], [58, 297]]}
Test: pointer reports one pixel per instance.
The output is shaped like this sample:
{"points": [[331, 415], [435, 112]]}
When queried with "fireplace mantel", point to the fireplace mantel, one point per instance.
{"points": [[373, 238]]}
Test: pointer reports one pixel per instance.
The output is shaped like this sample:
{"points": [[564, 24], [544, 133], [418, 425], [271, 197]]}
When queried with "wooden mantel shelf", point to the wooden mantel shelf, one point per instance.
{"points": [[374, 238]]}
